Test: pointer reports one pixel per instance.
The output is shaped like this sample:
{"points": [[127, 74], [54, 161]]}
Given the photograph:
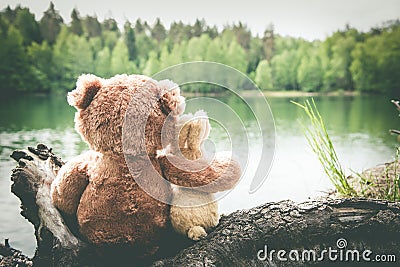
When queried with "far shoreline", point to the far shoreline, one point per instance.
{"points": [[291, 93], [310, 94], [243, 93]]}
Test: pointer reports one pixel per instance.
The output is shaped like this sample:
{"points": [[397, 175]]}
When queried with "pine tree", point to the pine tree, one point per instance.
{"points": [[158, 32], [76, 23], [50, 24], [27, 26], [92, 26], [130, 40], [269, 42]]}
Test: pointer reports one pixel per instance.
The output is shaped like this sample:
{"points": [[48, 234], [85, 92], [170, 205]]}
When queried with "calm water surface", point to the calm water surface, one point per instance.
{"points": [[358, 127]]}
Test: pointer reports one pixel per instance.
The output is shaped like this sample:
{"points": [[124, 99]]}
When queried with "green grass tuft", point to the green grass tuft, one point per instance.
{"points": [[320, 142]]}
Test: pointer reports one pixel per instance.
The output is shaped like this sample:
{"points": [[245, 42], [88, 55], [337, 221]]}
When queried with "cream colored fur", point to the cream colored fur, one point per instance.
{"points": [[193, 221], [199, 210]]}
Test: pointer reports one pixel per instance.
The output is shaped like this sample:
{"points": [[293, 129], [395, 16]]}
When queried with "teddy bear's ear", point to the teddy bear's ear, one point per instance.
{"points": [[87, 87], [170, 97]]}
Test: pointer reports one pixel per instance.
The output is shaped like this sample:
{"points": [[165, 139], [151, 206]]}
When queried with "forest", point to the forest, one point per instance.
{"points": [[47, 55]]}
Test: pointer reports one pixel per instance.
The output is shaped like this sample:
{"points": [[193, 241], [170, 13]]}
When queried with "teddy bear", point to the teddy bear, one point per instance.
{"points": [[101, 189], [200, 212]]}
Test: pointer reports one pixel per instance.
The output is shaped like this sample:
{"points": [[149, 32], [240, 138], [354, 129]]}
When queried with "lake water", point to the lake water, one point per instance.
{"points": [[357, 125]]}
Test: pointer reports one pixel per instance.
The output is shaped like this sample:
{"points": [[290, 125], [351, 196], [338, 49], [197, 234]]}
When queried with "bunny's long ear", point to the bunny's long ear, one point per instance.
{"points": [[202, 117], [87, 87]]}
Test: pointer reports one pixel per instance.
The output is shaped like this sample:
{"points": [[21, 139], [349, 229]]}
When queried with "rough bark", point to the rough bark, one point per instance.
{"points": [[316, 224], [13, 257], [36, 169]]}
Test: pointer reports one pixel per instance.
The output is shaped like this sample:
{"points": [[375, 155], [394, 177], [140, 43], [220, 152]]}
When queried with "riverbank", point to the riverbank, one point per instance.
{"points": [[309, 94], [254, 93], [294, 93]]}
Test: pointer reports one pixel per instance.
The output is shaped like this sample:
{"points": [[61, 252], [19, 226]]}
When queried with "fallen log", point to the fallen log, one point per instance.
{"points": [[13, 257], [243, 238]]}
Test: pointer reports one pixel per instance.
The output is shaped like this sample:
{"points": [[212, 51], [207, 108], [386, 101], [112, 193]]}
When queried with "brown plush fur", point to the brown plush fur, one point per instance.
{"points": [[75, 175], [219, 175], [99, 188]]}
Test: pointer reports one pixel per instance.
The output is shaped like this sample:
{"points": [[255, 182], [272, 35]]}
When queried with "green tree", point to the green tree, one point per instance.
{"points": [[176, 32], [254, 55], [158, 32], [166, 59], [76, 23], [109, 39], [309, 74], [70, 62], [28, 27], [236, 57], [217, 51], [110, 24], [197, 48], [139, 28], [263, 75], [389, 63], [243, 35], [357, 68], [130, 40], [9, 14], [282, 44], [269, 42], [62, 65], [92, 26], [41, 61], [96, 44], [152, 65], [144, 45], [50, 24], [15, 73], [338, 49], [375, 62], [212, 32], [198, 28], [102, 63], [228, 36], [82, 58], [120, 59], [284, 70]]}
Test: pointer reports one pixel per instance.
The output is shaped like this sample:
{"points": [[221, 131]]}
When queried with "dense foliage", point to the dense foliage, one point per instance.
{"points": [[48, 55]]}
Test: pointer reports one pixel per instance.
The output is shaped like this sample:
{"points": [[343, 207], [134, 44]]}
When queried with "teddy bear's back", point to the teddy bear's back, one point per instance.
{"points": [[113, 197]]}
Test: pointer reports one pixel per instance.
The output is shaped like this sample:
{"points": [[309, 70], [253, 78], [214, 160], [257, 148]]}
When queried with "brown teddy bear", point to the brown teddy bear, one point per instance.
{"points": [[101, 190], [198, 211]]}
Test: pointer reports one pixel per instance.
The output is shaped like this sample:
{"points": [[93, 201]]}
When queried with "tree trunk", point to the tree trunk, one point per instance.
{"points": [[237, 240]]}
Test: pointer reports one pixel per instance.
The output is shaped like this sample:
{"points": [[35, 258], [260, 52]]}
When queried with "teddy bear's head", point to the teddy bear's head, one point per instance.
{"points": [[129, 106]]}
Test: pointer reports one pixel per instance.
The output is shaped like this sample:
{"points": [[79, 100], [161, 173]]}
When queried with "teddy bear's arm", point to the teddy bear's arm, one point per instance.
{"points": [[71, 181], [223, 172]]}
